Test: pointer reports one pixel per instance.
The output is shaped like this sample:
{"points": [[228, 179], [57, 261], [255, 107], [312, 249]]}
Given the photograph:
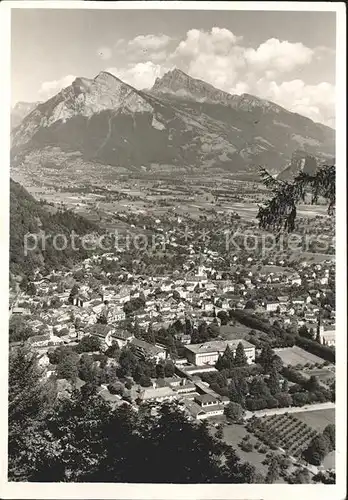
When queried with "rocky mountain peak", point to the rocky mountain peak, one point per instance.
{"points": [[181, 121], [104, 77], [179, 83], [174, 79], [84, 97]]}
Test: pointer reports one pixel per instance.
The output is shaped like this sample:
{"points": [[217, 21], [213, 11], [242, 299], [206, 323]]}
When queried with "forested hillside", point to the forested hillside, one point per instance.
{"points": [[27, 215]]}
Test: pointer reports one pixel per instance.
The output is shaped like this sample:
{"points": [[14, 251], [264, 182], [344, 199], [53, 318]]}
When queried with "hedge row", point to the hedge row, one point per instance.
{"points": [[314, 347]]}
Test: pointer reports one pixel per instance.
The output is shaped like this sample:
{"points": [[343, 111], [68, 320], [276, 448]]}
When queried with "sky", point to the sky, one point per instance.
{"points": [[286, 57]]}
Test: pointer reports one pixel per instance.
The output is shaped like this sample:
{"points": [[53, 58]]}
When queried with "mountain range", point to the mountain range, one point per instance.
{"points": [[181, 123], [20, 111]]}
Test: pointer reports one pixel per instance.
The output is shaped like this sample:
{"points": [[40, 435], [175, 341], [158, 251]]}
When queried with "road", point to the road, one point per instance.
{"points": [[291, 409]]}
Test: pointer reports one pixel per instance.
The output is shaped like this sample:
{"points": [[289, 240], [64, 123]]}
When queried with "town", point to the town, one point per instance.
{"points": [[172, 264], [235, 339]]}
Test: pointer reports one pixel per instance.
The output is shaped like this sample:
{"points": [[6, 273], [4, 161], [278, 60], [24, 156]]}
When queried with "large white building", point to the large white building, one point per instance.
{"points": [[328, 337], [209, 352]]}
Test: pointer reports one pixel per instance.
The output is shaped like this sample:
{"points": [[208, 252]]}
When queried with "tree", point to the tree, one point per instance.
{"points": [[188, 326], [234, 412], [127, 361], [87, 370], [235, 393], [68, 367], [279, 212], [330, 433], [74, 291], [247, 446], [113, 351], [259, 388], [103, 318], [226, 361], [89, 389], [269, 360], [144, 380], [160, 370], [89, 343], [300, 476], [149, 336], [303, 331], [273, 471], [213, 330], [240, 358], [284, 399], [317, 449], [223, 316], [250, 305], [169, 368], [83, 439], [285, 385], [57, 355], [203, 335], [30, 397], [273, 382], [19, 331], [313, 384], [31, 288], [266, 358], [77, 323], [116, 388]]}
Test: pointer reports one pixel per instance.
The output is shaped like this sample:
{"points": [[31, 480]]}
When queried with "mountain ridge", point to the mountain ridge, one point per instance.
{"points": [[107, 121], [176, 79]]}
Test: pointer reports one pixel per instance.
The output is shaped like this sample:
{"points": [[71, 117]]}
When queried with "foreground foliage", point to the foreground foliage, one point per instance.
{"points": [[279, 212], [82, 438]]}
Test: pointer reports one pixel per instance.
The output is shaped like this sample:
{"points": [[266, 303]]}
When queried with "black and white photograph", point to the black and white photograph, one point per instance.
{"points": [[172, 235]]}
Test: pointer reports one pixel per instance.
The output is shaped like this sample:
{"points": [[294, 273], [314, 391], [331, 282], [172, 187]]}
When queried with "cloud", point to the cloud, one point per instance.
{"points": [[104, 53], [141, 75], [213, 56], [49, 89], [150, 42], [144, 47], [218, 56], [314, 101], [279, 55]]}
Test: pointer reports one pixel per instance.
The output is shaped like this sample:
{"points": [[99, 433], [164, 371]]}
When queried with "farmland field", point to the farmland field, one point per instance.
{"points": [[285, 431], [297, 356], [233, 435], [230, 332], [319, 419], [310, 256]]}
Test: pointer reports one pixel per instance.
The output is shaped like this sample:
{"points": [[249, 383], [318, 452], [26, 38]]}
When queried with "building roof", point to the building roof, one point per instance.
{"points": [[20, 310], [224, 398], [149, 348], [98, 329], [122, 334], [193, 407], [39, 338], [329, 334], [218, 346], [158, 392], [206, 398]]}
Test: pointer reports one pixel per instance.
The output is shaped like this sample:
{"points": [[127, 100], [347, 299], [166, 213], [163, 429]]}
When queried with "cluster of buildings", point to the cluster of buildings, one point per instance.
{"points": [[195, 398], [200, 293]]}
